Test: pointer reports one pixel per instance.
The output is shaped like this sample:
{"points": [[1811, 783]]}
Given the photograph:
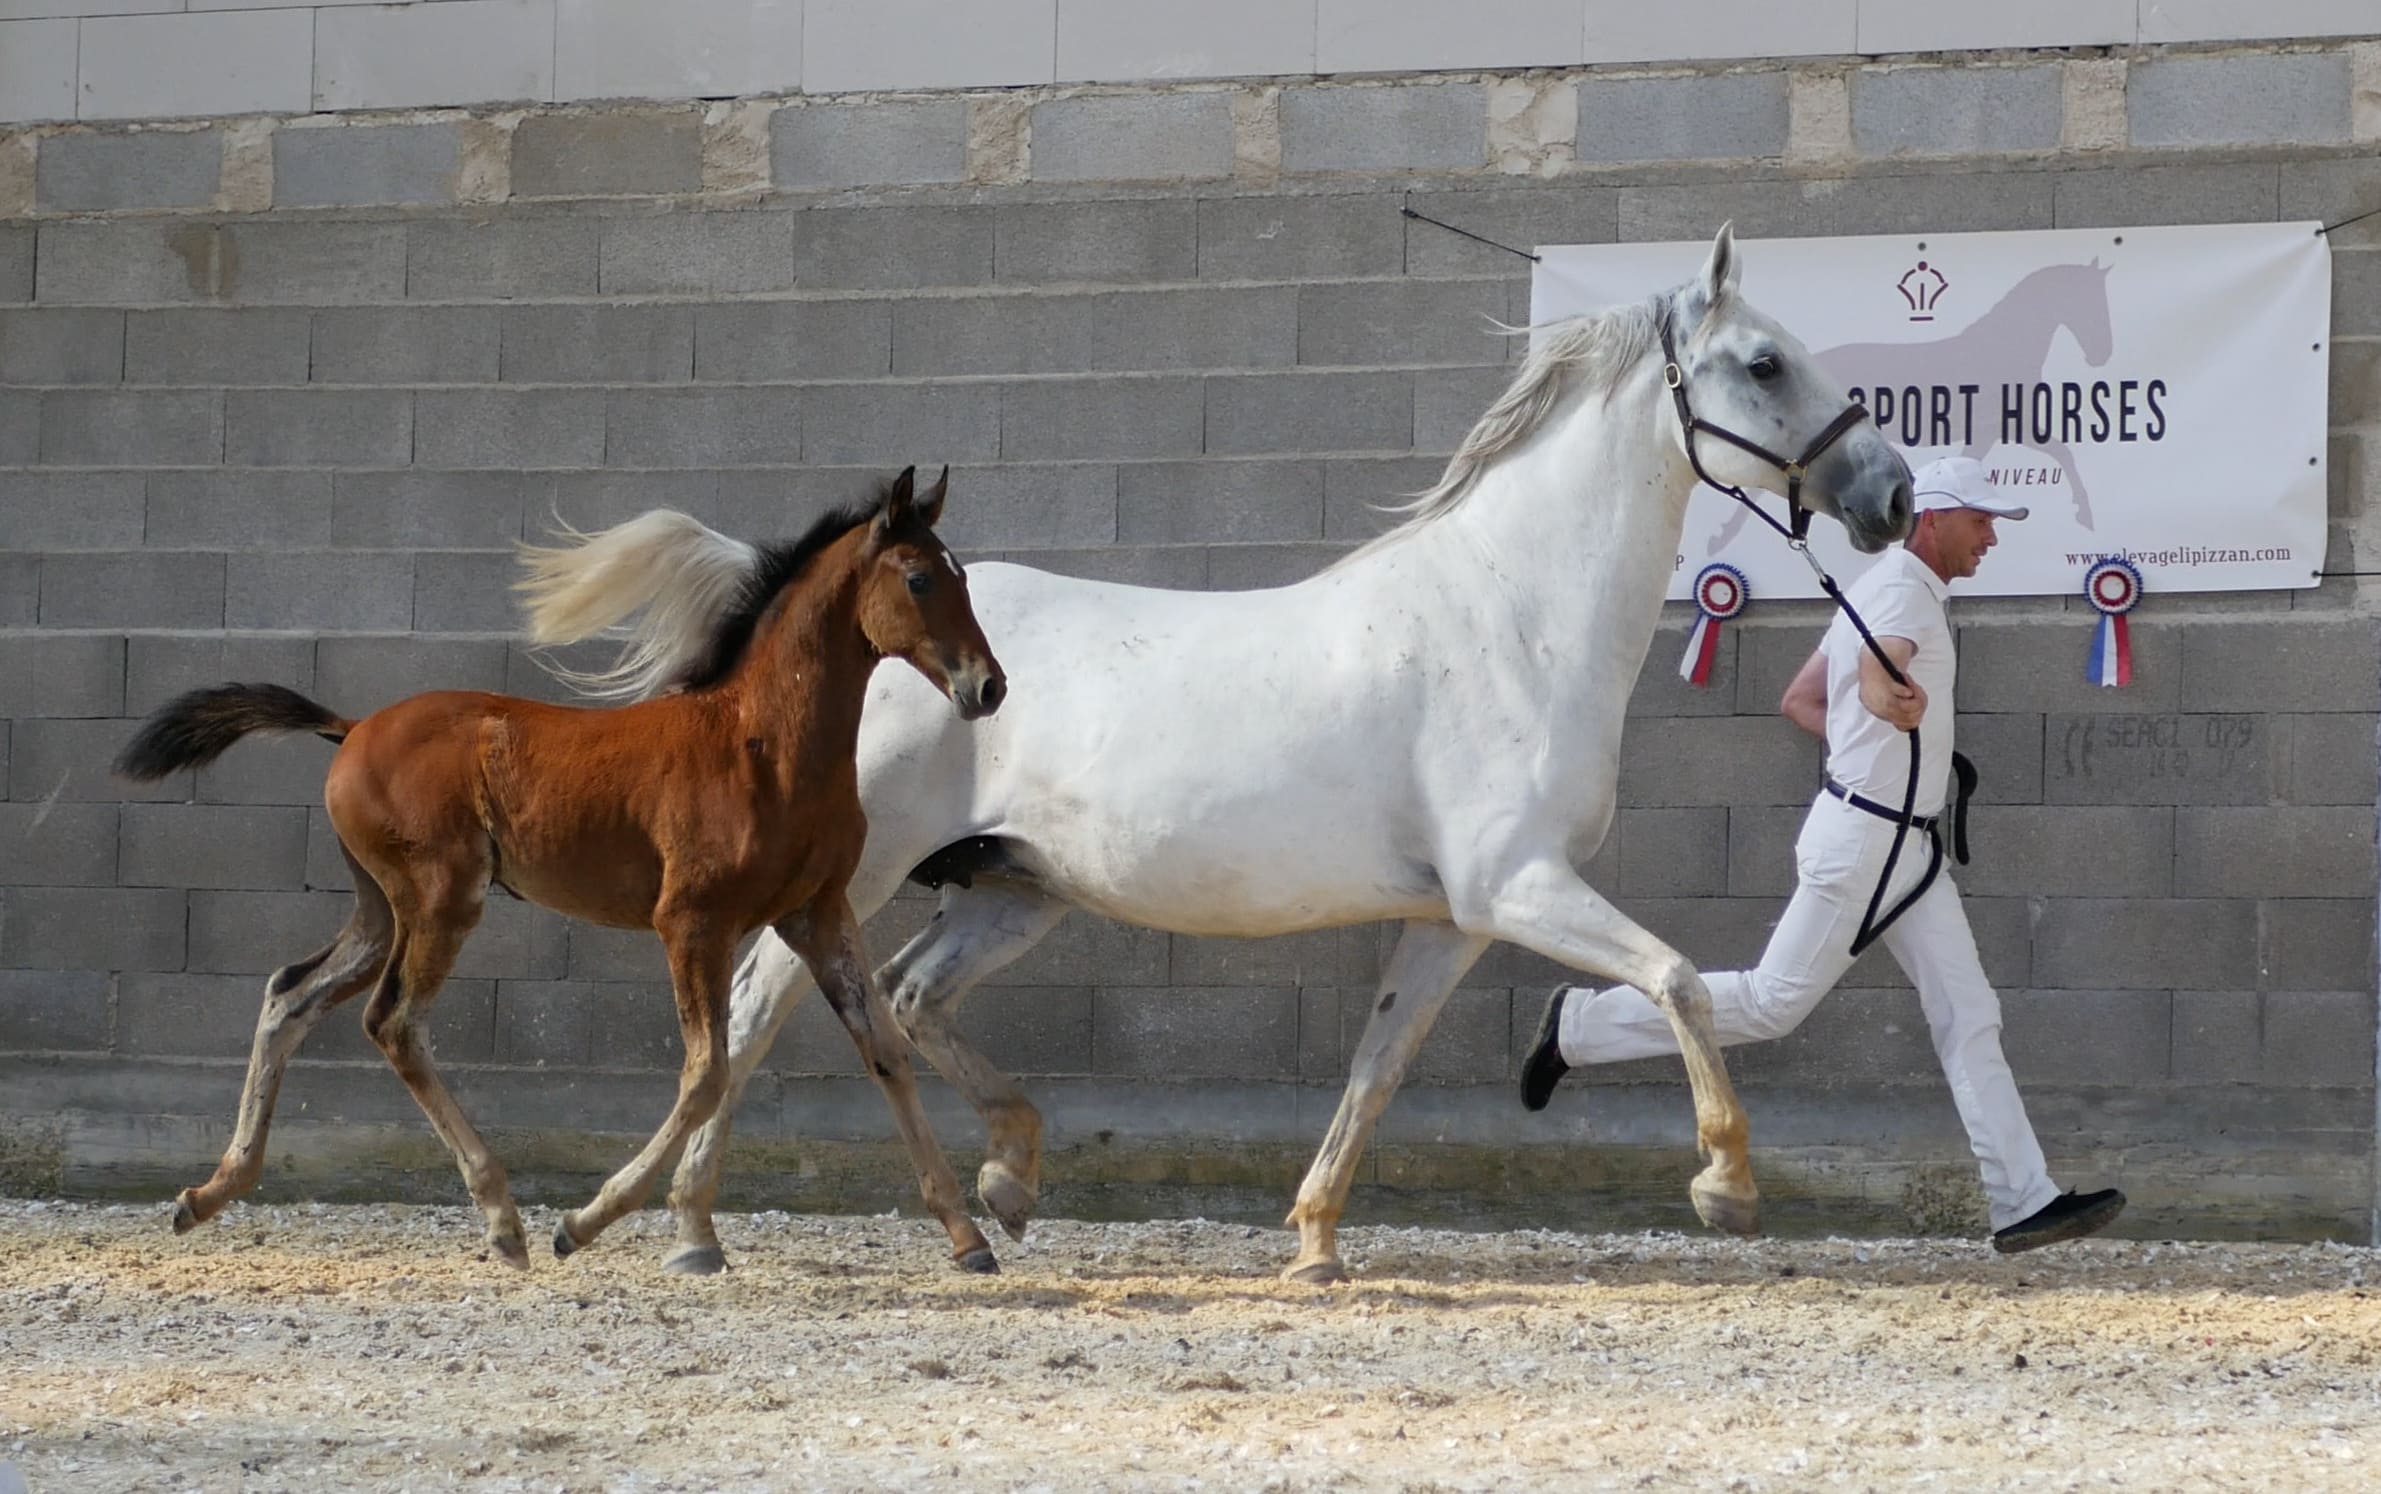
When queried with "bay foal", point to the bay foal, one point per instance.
{"points": [[728, 804]]}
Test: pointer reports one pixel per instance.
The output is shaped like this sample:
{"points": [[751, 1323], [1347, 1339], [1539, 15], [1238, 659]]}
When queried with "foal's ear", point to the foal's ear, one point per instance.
{"points": [[897, 502], [1718, 281], [929, 508]]}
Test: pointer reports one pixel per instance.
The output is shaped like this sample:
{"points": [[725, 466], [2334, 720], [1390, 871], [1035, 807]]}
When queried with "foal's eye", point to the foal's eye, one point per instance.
{"points": [[1766, 366], [920, 584]]}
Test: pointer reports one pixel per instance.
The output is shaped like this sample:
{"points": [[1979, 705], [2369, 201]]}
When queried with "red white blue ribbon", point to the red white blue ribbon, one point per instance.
{"points": [[1720, 593], [2113, 587]]}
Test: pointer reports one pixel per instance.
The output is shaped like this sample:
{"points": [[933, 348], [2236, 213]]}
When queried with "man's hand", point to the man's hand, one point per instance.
{"points": [[1901, 706]]}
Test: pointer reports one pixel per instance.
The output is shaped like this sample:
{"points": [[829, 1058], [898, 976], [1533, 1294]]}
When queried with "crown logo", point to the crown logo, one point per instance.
{"points": [[1921, 286]]}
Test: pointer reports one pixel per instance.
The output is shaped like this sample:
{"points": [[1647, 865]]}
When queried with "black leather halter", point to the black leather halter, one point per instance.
{"points": [[1796, 529]]}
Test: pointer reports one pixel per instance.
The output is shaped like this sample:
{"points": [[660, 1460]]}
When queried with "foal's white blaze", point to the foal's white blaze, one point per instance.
{"points": [[1428, 731]]}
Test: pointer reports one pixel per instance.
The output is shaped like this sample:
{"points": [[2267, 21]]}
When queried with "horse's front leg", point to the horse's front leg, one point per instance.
{"points": [[1546, 907], [1422, 971]]}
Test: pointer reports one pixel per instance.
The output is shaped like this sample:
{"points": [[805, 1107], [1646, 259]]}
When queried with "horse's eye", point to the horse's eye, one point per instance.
{"points": [[1766, 366], [920, 584]]}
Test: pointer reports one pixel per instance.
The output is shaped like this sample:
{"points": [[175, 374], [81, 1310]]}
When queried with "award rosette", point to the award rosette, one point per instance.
{"points": [[2113, 587], [1720, 593]]}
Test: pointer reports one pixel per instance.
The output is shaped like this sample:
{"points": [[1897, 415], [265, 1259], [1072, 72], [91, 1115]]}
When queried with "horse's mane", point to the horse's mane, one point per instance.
{"points": [[1594, 350], [699, 595]]}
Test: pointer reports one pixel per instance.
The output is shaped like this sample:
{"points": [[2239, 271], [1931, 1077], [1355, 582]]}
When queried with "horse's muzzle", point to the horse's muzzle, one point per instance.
{"points": [[979, 694]]}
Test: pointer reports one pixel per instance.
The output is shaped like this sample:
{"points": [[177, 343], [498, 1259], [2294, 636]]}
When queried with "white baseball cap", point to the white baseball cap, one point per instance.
{"points": [[1960, 482]]}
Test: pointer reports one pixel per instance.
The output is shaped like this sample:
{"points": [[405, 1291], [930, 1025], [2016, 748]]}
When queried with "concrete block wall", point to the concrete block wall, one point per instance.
{"points": [[277, 407]]}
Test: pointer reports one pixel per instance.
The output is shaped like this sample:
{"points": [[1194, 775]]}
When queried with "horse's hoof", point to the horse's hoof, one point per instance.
{"points": [[1738, 1214], [512, 1250], [185, 1217], [1008, 1197], [1321, 1273], [980, 1261], [563, 1243], [696, 1260]]}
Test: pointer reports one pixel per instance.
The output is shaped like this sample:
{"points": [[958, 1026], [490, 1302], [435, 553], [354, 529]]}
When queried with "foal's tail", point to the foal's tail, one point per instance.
{"points": [[681, 574], [192, 730]]}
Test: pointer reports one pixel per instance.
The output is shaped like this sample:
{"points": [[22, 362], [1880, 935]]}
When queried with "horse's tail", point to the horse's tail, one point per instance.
{"points": [[193, 729], [680, 574]]}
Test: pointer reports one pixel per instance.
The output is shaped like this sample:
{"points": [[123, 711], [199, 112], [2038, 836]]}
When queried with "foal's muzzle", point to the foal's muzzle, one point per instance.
{"points": [[978, 692]]}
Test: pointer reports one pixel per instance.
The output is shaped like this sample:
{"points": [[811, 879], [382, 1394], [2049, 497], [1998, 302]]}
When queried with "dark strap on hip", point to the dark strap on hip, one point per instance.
{"points": [[1962, 770]]}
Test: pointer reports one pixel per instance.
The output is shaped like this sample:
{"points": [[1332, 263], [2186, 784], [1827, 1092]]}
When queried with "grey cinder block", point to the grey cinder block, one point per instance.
{"points": [[598, 344], [354, 165], [698, 253], [1134, 137], [2330, 758], [251, 933], [267, 770], [509, 428], [1405, 127], [1721, 760], [318, 427], [17, 246], [125, 260], [501, 259], [242, 508], [53, 1011], [759, 341], [1207, 501], [2083, 944], [405, 345], [2316, 944], [354, 676], [1293, 236], [1400, 322], [464, 591], [873, 248], [1296, 413], [213, 845], [353, 591], [77, 172], [1190, 1031], [1120, 330], [430, 510], [1448, 402], [69, 761], [61, 346], [1974, 201], [140, 589], [312, 263], [818, 147], [2315, 1038], [2272, 851], [1955, 111], [1717, 116], [2091, 1037], [2269, 98], [2122, 196], [2215, 1037], [2299, 665], [1117, 417], [1055, 243], [1262, 567], [1523, 218], [159, 668], [608, 153], [251, 345], [694, 427], [52, 511], [91, 928], [1009, 506], [131, 427], [58, 845], [888, 423]]}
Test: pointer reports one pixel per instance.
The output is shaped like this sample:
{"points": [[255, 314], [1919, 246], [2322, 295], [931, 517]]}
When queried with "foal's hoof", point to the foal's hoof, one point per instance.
{"points": [[1008, 1196], [696, 1260], [1737, 1213], [1321, 1273], [563, 1243], [512, 1250], [185, 1217], [980, 1262]]}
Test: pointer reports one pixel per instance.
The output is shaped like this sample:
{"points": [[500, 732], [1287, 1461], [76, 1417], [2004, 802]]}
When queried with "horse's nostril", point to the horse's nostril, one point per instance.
{"points": [[991, 693]]}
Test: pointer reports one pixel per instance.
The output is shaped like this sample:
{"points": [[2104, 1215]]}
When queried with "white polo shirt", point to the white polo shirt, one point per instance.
{"points": [[1898, 597]]}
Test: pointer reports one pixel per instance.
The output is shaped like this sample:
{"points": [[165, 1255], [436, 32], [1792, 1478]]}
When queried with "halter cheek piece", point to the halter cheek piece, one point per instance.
{"points": [[1796, 529]]}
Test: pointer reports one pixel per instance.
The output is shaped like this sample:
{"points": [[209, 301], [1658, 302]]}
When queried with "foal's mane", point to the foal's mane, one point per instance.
{"points": [[698, 596], [1593, 350]]}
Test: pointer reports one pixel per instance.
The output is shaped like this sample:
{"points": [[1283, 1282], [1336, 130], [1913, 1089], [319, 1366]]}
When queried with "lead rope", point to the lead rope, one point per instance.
{"points": [[1797, 536]]}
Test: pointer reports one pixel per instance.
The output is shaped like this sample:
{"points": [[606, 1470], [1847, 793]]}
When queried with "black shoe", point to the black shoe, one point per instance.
{"points": [[1542, 1067], [2070, 1216]]}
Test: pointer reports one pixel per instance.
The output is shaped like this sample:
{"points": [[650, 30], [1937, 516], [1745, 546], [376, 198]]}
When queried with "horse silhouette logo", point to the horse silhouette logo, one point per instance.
{"points": [[1922, 285]]}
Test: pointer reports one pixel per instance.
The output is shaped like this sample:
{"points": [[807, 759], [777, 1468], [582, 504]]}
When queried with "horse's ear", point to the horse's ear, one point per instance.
{"points": [[897, 502], [929, 508], [1718, 281]]}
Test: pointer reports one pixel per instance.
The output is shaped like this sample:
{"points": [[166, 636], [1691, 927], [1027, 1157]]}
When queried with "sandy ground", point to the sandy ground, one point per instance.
{"points": [[367, 1348]]}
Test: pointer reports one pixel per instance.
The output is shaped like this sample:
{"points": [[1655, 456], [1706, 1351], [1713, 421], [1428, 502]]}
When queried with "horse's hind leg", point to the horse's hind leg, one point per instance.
{"points": [[1422, 971], [430, 933], [296, 998], [977, 930], [827, 937]]}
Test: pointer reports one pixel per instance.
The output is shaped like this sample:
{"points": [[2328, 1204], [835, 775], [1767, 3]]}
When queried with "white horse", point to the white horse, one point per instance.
{"points": [[1428, 731]]}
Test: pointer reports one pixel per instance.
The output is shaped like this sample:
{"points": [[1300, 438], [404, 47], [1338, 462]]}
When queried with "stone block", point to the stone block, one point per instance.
{"points": [[1008, 506], [213, 845], [1120, 330], [2215, 1037], [318, 427], [20, 426], [2331, 758], [20, 590], [1397, 127], [410, 56], [502, 259], [821, 146], [58, 845], [1263, 567], [705, 49], [2328, 191], [357, 675], [600, 344], [2130, 196], [2088, 1037], [361, 165], [1963, 202], [1133, 137], [872, 248], [2293, 665], [137, 169], [195, 65], [1747, 760], [1361, 493], [351, 591], [608, 154], [853, 45], [605, 954], [158, 668], [418, 510], [1664, 853], [2007, 752], [1319, 957], [53, 511], [510, 427], [464, 591], [131, 427], [60, 1011], [239, 509], [91, 928], [765, 341], [1470, 1043], [1294, 236], [1205, 502], [2084, 944], [309, 263], [2272, 851], [703, 253], [2030, 667], [2355, 292], [2318, 1038], [1713, 116], [405, 345], [252, 345], [1168, 567], [2316, 944], [1084, 950], [17, 246], [516, 941], [1956, 110], [1033, 1030], [141, 589], [1761, 861], [112, 262], [1116, 417], [1402, 322], [2256, 98], [1181, 1032], [1296, 413], [268, 770], [688, 428], [70, 762], [254, 933], [576, 1024], [1521, 218], [898, 423], [1057, 243], [1448, 402]]}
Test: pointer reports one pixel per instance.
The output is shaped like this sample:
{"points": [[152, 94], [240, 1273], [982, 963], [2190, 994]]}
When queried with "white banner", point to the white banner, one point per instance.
{"points": [[2155, 393]]}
